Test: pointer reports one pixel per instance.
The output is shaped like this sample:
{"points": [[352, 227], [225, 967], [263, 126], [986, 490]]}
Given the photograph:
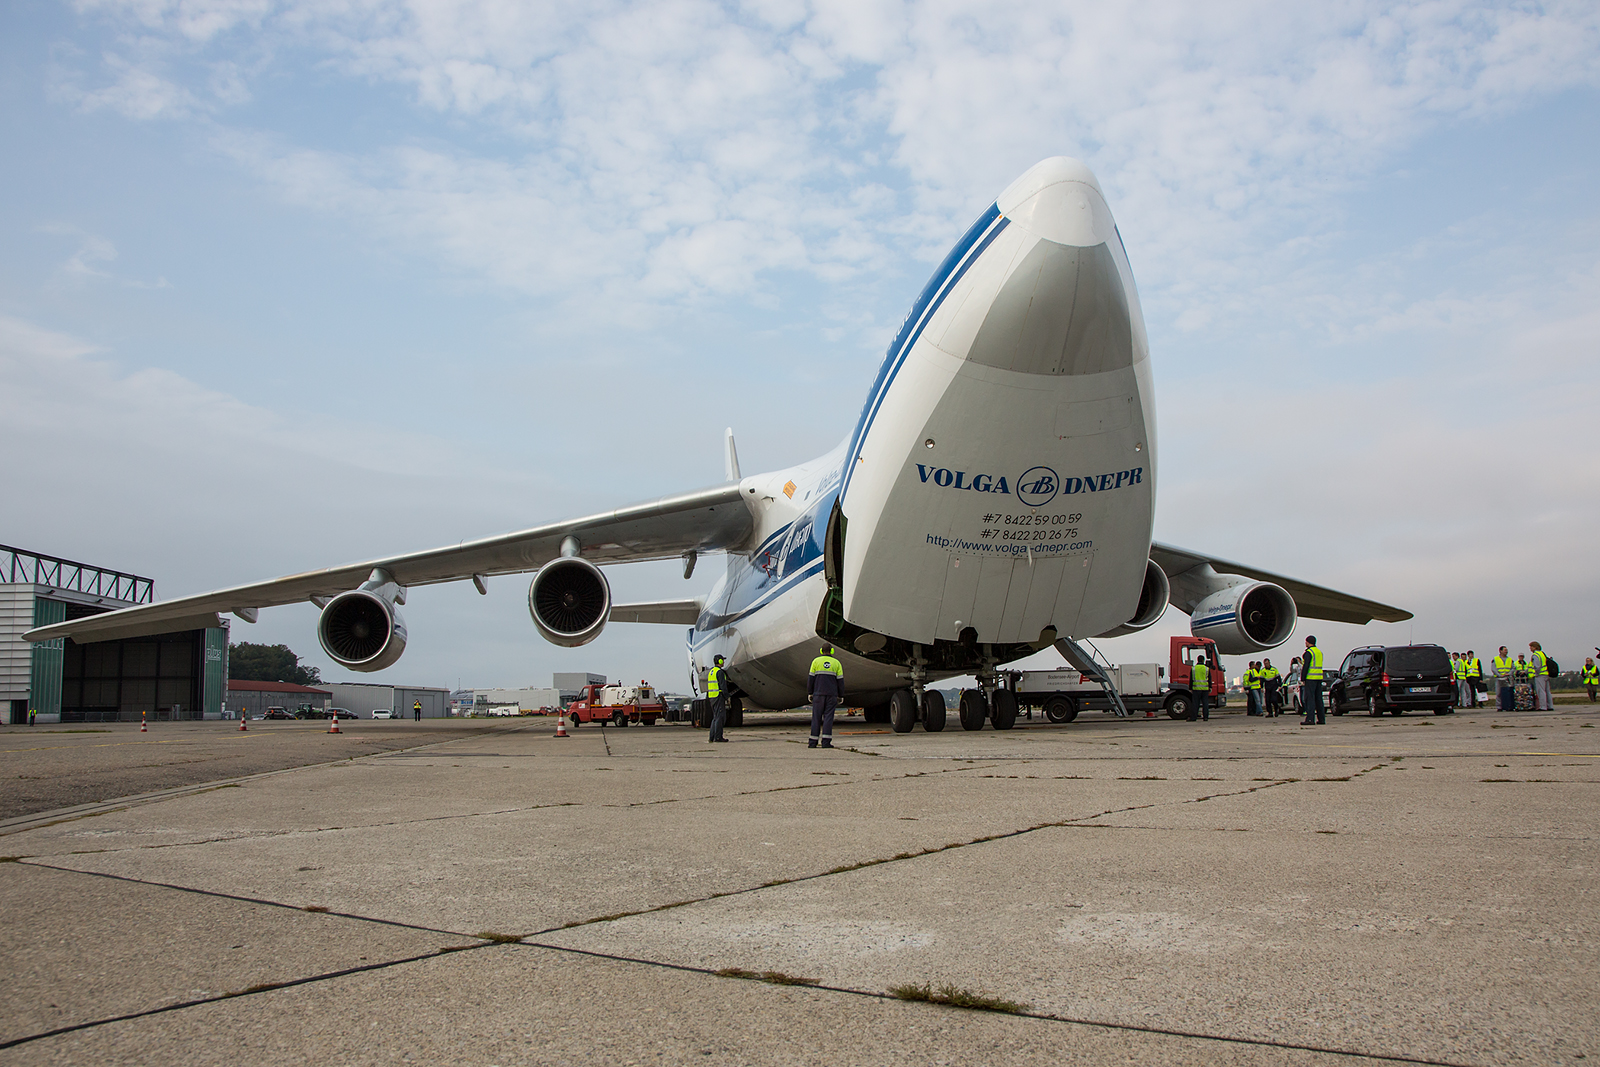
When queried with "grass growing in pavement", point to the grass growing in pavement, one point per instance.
{"points": [[498, 938], [956, 997], [770, 977]]}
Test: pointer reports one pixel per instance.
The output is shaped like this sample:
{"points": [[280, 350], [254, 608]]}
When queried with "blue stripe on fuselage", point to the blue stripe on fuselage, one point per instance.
{"points": [[955, 265]]}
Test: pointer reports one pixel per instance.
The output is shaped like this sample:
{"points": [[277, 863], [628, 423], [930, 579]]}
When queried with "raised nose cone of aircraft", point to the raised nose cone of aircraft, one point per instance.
{"points": [[1058, 199], [1054, 295]]}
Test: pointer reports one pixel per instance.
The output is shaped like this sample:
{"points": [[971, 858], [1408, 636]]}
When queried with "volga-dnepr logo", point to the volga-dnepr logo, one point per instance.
{"points": [[1037, 486]]}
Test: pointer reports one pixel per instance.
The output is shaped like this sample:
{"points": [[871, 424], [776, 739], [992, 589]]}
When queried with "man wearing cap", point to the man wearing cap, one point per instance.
{"points": [[717, 693], [825, 686], [1311, 686]]}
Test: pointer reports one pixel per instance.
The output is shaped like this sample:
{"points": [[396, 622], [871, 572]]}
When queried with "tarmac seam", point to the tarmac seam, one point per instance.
{"points": [[237, 898], [1025, 1014], [44, 819], [265, 987]]}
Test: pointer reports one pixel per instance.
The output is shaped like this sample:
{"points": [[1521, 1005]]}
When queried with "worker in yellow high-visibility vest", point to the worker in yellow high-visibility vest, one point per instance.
{"points": [[1272, 689], [825, 685], [1474, 677], [1541, 677], [717, 693], [1590, 677], [1505, 670], [1311, 686]]}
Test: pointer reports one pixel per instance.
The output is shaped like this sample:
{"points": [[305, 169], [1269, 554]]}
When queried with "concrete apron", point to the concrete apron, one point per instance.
{"points": [[1207, 893]]}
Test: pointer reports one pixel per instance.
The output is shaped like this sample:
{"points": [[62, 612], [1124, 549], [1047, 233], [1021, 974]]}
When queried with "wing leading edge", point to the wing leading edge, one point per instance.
{"points": [[1311, 601], [705, 520]]}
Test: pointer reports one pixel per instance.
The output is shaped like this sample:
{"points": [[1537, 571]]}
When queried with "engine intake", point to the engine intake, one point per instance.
{"points": [[362, 630], [570, 601], [1153, 597], [1245, 618]]}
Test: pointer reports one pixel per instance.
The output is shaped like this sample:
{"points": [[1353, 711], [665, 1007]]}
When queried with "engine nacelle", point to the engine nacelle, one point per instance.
{"points": [[1153, 597], [1245, 618], [362, 630], [570, 601]]}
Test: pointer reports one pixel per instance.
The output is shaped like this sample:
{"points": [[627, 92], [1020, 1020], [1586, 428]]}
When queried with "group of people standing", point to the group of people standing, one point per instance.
{"points": [[1263, 689], [1525, 681]]}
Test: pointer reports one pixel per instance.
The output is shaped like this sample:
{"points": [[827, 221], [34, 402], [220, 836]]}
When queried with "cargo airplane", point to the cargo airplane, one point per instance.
{"points": [[995, 496]]}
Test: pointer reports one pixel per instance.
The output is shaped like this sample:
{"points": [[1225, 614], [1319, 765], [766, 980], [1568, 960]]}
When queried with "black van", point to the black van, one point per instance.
{"points": [[1393, 678]]}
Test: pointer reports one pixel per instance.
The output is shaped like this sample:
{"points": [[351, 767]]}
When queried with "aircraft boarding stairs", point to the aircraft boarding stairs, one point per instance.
{"points": [[1086, 664]]}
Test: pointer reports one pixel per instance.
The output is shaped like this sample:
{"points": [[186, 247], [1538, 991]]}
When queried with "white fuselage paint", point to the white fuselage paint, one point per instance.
{"points": [[1002, 474]]}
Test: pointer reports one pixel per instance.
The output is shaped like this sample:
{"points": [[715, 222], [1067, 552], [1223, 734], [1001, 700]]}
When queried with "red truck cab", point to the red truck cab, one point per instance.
{"points": [[1186, 652]]}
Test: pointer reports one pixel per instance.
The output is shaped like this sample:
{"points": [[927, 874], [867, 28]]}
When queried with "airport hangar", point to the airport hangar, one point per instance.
{"points": [[159, 676], [180, 675]]}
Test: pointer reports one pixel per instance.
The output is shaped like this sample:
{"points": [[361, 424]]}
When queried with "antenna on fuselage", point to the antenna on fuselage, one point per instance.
{"points": [[732, 458]]}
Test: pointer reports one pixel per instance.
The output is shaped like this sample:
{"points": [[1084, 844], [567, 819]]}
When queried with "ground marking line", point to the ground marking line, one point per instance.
{"points": [[1042, 1016], [41, 820], [267, 987]]}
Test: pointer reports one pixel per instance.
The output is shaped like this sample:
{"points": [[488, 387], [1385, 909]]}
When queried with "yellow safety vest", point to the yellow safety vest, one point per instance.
{"points": [[1503, 666], [1200, 677], [828, 665], [1541, 663], [1253, 679], [1311, 665], [1591, 676], [714, 683], [1269, 673], [1459, 669], [1474, 668]]}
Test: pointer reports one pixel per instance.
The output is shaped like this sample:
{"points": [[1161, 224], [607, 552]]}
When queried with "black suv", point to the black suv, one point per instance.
{"points": [[1394, 678]]}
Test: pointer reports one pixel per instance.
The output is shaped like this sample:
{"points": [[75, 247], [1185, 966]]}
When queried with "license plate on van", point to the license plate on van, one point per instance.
{"points": [[1420, 689]]}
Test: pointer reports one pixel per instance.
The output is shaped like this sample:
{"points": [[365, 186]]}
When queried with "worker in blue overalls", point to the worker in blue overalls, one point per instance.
{"points": [[826, 686]]}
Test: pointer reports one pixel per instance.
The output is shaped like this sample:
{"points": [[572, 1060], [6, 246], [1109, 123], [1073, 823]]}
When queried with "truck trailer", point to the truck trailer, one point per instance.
{"points": [[1146, 687]]}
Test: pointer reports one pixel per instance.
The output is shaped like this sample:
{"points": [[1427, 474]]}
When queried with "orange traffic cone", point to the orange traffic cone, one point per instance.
{"points": [[561, 726], [334, 729], [143, 729], [242, 725], [1149, 713]]}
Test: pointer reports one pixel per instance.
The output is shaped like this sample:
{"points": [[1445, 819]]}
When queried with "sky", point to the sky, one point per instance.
{"points": [[291, 284]]}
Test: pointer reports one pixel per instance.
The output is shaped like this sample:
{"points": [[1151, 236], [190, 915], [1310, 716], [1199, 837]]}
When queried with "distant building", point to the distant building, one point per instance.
{"points": [[526, 699], [569, 684], [364, 698], [254, 698]]}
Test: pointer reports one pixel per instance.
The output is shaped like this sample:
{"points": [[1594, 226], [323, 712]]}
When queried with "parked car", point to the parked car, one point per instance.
{"points": [[277, 713], [343, 713], [383, 713], [1393, 678], [1292, 689]]}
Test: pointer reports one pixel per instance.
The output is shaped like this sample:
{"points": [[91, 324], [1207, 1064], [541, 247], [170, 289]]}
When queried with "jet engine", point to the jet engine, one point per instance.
{"points": [[1153, 597], [1245, 618], [362, 630], [570, 601]]}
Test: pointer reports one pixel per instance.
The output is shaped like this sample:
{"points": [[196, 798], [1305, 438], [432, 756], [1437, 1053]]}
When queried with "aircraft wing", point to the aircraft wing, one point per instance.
{"points": [[1311, 601], [702, 521]]}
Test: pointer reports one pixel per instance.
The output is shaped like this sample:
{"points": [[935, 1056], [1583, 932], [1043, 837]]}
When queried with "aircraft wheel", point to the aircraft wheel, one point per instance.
{"points": [[933, 710], [1178, 705], [972, 709], [1002, 715], [1060, 708], [902, 710], [1003, 709], [735, 712]]}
